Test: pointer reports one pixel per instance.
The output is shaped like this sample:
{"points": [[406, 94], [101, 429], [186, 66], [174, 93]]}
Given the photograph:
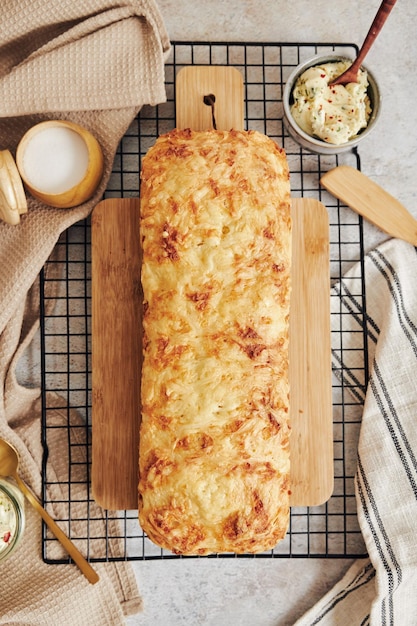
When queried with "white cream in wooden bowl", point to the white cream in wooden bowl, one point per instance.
{"points": [[60, 163]]}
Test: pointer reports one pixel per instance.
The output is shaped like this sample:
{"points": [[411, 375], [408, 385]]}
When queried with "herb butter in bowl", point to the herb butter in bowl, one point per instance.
{"points": [[326, 118]]}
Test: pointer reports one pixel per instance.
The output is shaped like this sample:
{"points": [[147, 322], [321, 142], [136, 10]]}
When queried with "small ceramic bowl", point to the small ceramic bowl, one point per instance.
{"points": [[314, 144], [61, 163]]}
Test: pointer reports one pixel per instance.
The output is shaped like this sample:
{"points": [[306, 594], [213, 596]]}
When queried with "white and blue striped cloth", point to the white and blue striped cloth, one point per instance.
{"points": [[382, 590]]}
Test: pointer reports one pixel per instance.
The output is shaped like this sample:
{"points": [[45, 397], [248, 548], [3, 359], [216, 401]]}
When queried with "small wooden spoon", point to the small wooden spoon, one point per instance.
{"points": [[351, 74], [9, 463]]}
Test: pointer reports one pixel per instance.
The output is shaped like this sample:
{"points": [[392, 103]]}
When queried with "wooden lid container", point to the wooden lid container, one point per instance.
{"points": [[60, 162]]}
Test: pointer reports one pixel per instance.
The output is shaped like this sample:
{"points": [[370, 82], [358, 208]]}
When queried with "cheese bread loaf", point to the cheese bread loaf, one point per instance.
{"points": [[214, 439]]}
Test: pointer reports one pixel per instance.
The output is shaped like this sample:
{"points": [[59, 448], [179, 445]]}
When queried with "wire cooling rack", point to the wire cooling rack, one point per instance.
{"points": [[328, 530]]}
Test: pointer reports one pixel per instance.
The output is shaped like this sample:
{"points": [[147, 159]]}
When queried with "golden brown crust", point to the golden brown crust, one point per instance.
{"points": [[214, 445]]}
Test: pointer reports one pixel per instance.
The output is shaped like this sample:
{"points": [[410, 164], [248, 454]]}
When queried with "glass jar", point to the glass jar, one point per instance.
{"points": [[12, 517]]}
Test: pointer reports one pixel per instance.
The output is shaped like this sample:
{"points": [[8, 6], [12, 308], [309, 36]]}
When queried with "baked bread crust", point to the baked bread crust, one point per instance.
{"points": [[214, 439]]}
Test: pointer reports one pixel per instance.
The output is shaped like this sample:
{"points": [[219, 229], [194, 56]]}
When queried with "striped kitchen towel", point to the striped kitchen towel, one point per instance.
{"points": [[381, 590]]}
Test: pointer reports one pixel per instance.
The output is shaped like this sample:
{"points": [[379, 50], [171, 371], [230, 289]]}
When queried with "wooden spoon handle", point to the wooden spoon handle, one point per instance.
{"points": [[351, 74], [376, 26], [84, 566]]}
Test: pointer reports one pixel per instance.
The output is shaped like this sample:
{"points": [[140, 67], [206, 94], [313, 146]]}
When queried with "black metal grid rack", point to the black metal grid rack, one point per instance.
{"points": [[328, 530]]}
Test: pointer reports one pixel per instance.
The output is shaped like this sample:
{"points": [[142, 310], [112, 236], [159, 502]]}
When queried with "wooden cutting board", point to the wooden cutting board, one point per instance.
{"points": [[195, 85], [116, 352], [311, 409], [116, 340]]}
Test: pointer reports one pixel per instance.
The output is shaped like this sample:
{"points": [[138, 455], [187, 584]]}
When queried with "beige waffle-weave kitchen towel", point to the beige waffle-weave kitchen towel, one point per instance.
{"points": [[96, 63]]}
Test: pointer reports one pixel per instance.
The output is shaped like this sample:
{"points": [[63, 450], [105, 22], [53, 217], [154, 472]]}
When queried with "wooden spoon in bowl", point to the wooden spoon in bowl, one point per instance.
{"points": [[351, 74]]}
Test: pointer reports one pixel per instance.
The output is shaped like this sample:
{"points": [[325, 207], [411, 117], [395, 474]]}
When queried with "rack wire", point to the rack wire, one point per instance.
{"points": [[328, 530]]}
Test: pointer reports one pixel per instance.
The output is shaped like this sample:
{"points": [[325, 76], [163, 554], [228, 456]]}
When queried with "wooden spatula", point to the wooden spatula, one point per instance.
{"points": [[371, 201]]}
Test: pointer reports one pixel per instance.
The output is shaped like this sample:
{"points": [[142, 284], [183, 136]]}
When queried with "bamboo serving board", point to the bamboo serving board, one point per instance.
{"points": [[194, 84], [116, 307], [116, 352], [311, 409]]}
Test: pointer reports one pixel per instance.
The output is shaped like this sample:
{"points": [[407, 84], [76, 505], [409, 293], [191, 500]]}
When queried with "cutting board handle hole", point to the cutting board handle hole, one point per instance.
{"points": [[209, 100]]}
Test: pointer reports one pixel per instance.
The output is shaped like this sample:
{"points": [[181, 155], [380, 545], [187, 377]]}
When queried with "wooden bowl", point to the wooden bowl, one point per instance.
{"points": [[60, 162]]}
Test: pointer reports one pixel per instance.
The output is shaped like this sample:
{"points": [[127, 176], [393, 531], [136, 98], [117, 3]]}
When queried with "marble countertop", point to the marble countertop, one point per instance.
{"points": [[276, 592]]}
